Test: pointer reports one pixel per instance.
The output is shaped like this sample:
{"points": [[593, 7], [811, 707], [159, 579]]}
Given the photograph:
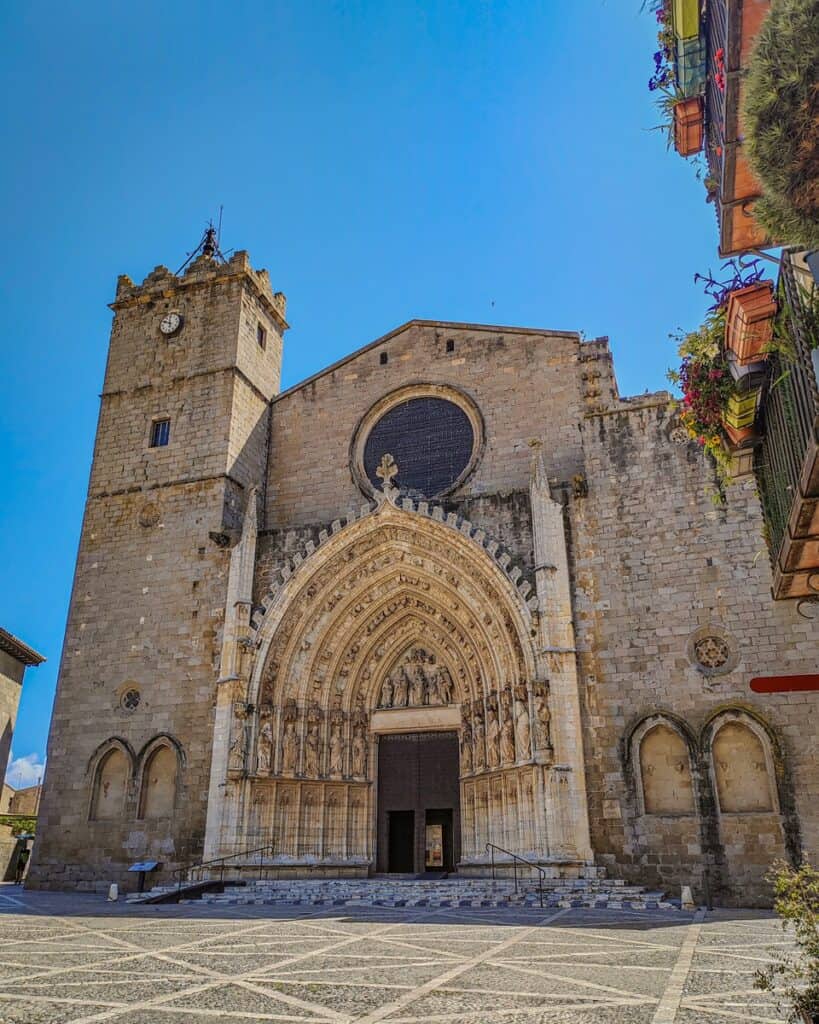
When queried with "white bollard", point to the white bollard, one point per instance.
{"points": [[686, 899], [113, 892]]}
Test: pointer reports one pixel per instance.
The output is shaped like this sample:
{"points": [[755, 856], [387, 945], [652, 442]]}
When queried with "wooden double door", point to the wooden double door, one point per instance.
{"points": [[418, 803]]}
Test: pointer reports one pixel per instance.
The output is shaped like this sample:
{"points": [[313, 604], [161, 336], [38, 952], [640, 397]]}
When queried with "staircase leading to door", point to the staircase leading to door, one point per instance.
{"points": [[597, 893]]}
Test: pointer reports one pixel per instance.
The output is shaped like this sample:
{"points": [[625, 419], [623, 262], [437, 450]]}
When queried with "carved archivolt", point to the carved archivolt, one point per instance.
{"points": [[398, 609]]}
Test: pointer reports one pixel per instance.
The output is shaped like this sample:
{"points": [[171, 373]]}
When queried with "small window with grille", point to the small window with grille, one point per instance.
{"points": [[160, 433]]}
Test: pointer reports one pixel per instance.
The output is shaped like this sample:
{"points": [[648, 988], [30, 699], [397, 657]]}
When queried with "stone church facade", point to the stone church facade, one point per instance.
{"points": [[451, 591]]}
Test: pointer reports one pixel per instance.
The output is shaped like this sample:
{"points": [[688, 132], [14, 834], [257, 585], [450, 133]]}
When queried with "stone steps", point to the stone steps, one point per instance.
{"points": [[592, 893]]}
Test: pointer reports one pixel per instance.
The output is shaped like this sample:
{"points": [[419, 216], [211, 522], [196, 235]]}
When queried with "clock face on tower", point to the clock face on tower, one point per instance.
{"points": [[170, 323]]}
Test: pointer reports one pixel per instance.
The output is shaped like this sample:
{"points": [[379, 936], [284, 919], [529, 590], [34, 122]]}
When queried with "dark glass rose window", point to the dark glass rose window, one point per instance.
{"points": [[431, 440]]}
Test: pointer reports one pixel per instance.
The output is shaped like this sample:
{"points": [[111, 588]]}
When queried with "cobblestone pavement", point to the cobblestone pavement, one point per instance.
{"points": [[77, 958]]}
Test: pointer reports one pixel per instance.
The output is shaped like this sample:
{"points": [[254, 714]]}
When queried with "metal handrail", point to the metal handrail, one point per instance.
{"points": [[491, 847], [184, 873]]}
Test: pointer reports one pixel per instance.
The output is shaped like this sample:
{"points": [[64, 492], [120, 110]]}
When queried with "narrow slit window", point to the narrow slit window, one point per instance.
{"points": [[384, 358], [160, 433], [261, 336]]}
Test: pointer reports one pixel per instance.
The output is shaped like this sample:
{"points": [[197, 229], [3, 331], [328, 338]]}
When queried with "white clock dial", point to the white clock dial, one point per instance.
{"points": [[170, 323]]}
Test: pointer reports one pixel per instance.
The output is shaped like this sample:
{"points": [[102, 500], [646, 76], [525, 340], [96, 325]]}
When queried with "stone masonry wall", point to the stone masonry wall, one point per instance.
{"points": [[526, 384], [148, 601], [655, 560], [11, 683]]}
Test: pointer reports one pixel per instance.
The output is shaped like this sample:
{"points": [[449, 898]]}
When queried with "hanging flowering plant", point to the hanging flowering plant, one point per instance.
{"points": [[664, 76], [706, 384], [737, 273]]}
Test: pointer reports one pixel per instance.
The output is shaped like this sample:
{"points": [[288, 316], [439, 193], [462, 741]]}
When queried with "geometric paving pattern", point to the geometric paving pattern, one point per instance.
{"points": [[67, 957]]}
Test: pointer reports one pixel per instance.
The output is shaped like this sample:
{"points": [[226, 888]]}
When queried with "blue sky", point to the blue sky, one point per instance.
{"points": [[476, 161]]}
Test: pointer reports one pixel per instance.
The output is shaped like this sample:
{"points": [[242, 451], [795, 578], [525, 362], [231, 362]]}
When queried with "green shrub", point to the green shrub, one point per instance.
{"points": [[796, 978], [20, 823], [781, 118]]}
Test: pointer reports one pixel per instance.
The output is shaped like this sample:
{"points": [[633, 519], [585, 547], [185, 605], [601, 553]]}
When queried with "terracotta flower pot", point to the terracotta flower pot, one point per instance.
{"points": [[688, 126], [740, 437], [749, 322]]}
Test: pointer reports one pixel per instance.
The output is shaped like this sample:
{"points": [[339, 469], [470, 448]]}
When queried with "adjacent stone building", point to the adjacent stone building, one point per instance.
{"points": [[25, 801], [15, 658], [451, 591]]}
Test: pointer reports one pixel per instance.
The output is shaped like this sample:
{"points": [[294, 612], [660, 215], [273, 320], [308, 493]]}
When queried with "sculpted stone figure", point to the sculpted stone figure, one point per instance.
{"points": [[478, 740], [336, 749], [522, 727], [417, 679], [507, 737], [311, 748], [386, 693], [359, 750], [400, 687], [290, 746], [492, 734], [466, 749], [542, 715], [238, 738], [466, 740], [443, 685], [264, 756]]}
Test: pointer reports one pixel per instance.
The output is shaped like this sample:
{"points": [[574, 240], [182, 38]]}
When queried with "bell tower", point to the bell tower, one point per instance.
{"points": [[194, 360]]}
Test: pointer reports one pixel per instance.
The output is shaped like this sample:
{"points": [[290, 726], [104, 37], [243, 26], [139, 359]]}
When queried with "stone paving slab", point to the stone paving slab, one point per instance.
{"points": [[76, 958]]}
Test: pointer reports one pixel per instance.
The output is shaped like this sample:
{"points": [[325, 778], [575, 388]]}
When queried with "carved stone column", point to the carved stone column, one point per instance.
{"points": [[223, 833], [566, 803]]}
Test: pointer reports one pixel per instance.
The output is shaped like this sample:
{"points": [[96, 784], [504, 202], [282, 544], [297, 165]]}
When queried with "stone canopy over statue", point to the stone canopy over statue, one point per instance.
{"points": [[418, 679]]}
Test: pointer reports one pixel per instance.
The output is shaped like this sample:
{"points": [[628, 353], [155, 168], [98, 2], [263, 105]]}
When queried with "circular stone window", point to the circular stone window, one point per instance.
{"points": [[434, 434], [130, 699], [712, 651]]}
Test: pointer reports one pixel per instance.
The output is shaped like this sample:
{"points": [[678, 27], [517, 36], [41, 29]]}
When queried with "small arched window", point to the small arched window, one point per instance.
{"points": [[110, 786], [741, 770], [159, 784], [665, 770]]}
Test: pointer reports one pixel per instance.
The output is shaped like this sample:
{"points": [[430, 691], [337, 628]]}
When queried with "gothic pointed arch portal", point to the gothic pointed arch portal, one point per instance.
{"points": [[402, 621]]}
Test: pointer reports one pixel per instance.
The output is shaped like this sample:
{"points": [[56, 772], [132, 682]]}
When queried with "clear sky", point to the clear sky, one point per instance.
{"points": [[478, 161]]}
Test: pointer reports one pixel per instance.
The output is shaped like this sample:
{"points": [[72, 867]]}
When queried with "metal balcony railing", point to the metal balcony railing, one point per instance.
{"points": [[790, 410], [716, 38]]}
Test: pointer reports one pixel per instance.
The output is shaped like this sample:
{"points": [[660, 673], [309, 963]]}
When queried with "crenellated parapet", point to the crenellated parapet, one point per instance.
{"points": [[204, 270]]}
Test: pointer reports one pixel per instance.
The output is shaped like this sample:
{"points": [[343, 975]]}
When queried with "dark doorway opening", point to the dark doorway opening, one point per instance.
{"points": [[401, 842], [418, 803]]}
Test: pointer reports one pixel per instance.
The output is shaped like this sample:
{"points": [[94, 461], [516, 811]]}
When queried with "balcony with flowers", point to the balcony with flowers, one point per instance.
{"points": [[700, 66], [749, 377]]}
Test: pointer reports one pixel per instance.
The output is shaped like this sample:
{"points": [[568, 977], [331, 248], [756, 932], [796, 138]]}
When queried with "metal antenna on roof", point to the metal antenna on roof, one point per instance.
{"points": [[208, 245]]}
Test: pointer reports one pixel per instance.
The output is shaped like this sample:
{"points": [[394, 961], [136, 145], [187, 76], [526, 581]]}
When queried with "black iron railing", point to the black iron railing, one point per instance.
{"points": [[191, 874], [716, 38], [491, 847], [791, 407]]}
